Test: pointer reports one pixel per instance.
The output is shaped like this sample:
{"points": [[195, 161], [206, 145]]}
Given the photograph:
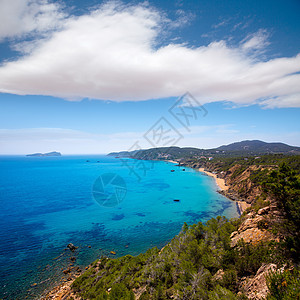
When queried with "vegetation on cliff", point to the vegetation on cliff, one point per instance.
{"points": [[184, 268], [198, 264], [283, 185]]}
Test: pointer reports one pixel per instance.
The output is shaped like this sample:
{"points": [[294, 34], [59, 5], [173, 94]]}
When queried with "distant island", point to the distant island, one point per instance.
{"points": [[54, 153]]}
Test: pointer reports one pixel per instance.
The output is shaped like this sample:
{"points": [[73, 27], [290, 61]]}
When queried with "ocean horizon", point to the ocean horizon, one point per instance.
{"points": [[49, 202]]}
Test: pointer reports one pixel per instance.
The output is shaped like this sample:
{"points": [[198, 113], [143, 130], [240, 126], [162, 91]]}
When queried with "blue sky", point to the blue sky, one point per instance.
{"points": [[94, 77]]}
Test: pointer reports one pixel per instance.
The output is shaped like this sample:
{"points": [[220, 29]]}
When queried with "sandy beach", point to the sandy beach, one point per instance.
{"points": [[220, 182], [172, 161], [242, 205]]}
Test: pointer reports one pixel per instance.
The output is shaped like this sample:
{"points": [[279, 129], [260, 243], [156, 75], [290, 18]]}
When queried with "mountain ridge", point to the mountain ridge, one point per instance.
{"points": [[246, 147], [257, 145]]}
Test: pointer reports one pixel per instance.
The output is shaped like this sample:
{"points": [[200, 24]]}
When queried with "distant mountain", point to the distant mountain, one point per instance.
{"points": [[236, 149], [257, 146], [54, 153], [160, 153]]}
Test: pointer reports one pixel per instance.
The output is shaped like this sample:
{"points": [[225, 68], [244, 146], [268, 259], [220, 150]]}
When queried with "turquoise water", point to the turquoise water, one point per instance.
{"points": [[47, 202]]}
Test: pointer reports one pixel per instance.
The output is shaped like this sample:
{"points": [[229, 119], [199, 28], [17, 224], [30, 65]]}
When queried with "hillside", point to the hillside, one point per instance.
{"points": [[256, 146], [232, 150], [244, 175], [253, 257]]}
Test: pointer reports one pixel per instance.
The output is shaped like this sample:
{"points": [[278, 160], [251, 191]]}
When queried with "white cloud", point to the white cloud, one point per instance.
{"points": [[286, 101], [19, 17], [222, 23], [183, 18], [257, 41], [111, 54]]}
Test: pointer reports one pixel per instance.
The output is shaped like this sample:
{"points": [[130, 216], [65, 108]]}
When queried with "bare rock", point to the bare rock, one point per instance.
{"points": [[264, 210], [72, 247], [219, 275], [251, 235], [66, 271], [251, 229], [256, 287], [138, 292]]}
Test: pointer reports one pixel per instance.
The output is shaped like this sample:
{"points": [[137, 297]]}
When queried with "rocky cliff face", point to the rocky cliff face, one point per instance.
{"points": [[255, 226], [241, 186], [256, 223], [256, 287]]}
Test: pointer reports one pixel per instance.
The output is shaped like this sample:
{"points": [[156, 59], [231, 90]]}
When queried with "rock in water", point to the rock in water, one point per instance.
{"points": [[72, 247]]}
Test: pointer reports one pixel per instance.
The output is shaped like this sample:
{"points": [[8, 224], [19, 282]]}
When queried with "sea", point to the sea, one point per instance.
{"points": [[103, 205]]}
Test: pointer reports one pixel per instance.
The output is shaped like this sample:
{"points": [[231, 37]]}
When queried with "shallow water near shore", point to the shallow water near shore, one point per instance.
{"points": [[47, 202]]}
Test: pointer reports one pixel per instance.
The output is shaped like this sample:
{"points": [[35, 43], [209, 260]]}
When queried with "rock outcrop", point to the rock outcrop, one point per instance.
{"points": [[256, 288], [254, 227], [72, 247]]}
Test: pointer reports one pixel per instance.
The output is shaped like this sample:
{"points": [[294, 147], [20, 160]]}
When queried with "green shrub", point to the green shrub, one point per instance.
{"points": [[229, 280], [248, 258], [119, 291], [262, 224], [283, 285], [220, 293]]}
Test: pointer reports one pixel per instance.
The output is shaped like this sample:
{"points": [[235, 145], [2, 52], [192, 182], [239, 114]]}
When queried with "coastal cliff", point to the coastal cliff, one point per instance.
{"points": [[252, 257], [240, 181]]}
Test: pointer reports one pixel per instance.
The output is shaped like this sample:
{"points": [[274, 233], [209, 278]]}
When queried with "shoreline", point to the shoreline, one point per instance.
{"points": [[59, 292], [172, 161], [241, 205], [219, 181]]}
